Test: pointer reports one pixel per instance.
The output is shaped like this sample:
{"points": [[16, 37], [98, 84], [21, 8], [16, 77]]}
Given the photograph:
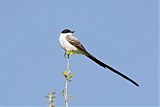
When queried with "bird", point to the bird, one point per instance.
{"points": [[71, 44]]}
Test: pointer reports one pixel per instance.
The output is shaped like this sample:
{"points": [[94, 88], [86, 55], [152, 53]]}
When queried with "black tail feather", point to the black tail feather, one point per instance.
{"points": [[110, 68]]}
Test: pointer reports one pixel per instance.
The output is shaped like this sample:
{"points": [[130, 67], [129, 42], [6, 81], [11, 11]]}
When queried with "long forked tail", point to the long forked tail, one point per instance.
{"points": [[110, 68]]}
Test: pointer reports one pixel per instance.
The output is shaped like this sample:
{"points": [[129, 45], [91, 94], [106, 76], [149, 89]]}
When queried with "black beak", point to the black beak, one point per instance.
{"points": [[72, 31]]}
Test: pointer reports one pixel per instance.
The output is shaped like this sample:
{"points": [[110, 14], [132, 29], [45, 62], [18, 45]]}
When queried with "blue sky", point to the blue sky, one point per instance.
{"points": [[122, 33]]}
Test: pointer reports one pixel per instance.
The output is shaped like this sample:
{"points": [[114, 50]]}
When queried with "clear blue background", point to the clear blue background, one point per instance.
{"points": [[122, 33]]}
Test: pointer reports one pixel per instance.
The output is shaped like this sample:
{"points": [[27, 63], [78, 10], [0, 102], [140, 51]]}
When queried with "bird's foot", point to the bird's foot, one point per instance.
{"points": [[68, 53]]}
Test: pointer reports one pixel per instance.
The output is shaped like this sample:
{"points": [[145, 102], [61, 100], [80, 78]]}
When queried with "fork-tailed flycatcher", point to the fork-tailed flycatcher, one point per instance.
{"points": [[71, 44]]}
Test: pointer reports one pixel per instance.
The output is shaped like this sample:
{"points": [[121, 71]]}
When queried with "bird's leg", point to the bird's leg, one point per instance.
{"points": [[68, 53], [68, 56]]}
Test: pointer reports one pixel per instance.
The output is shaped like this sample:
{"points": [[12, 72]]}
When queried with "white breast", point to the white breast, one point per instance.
{"points": [[65, 44]]}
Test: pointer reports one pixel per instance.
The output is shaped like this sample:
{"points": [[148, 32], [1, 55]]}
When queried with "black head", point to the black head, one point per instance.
{"points": [[67, 31]]}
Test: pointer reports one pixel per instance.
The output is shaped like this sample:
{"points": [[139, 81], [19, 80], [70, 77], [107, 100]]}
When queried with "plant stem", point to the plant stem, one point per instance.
{"points": [[66, 94], [66, 86]]}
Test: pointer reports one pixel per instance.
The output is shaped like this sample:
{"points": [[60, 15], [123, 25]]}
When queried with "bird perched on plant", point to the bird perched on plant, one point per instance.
{"points": [[72, 45]]}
